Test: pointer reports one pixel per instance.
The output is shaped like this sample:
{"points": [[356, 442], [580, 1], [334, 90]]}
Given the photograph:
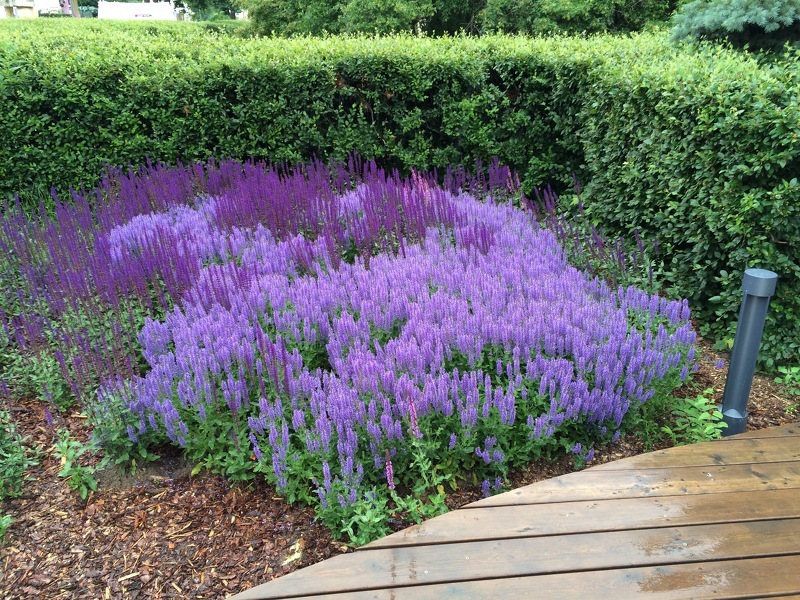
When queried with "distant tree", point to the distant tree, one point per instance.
{"points": [[313, 17], [452, 16], [289, 17], [205, 10], [384, 16], [757, 24], [573, 16]]}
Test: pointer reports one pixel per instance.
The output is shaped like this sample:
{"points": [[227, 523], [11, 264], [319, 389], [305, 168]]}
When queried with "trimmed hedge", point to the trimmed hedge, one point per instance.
{"points": [[701, 149], [696, 147], [87, 95]]}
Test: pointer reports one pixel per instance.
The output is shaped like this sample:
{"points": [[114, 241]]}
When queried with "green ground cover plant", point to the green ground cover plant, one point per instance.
{"points": [[363, 341], [15, 458], [80, 477], [5, 522]]}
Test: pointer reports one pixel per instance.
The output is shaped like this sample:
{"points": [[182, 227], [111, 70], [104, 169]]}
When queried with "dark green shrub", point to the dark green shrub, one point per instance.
{"points": [[174, 94], [700, 149], [758, 24], [286, 17], [573, 16]]}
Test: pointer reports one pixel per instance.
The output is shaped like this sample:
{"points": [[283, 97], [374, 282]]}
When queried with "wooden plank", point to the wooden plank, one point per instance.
{"points": [[448, 563], [769, 432], [753, 578], [733, 452], [501, 522], [605, 485]]}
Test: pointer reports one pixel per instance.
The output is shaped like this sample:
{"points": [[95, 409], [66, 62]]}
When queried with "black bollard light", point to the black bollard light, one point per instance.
{"points": [[758, 286]]}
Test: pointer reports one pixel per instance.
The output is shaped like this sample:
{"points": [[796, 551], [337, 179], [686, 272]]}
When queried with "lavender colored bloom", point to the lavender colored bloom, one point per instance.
{"points": [[413, 424], [389, 471], [256, 448], [335, 315]]}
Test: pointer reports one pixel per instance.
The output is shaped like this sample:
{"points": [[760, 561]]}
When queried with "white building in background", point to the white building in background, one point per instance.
{"points": [[138, 11], [49, 6], [20, 9], [126, 11], [25, 9]]}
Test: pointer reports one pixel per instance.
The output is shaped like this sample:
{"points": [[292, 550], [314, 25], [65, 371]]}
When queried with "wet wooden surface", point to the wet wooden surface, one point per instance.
{"points": [[713, 520]]}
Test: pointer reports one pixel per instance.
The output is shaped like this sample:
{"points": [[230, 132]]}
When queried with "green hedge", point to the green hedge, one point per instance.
{"points": [[86, 95], [697, 147], [701, 149]]}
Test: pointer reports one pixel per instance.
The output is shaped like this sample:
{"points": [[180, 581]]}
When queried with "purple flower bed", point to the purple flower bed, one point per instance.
{"points": [[361, 341]]}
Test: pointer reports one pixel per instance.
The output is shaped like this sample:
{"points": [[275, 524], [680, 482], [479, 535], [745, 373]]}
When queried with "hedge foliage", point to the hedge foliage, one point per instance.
{"points": [[697, 147], [701, 149], [90, 94]]}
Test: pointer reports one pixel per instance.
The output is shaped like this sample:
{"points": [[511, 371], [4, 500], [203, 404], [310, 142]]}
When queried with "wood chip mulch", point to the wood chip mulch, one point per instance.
{"points": [[166, 534]]}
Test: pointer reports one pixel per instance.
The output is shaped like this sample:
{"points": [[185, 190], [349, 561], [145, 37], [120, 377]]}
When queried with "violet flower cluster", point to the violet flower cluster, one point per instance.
{"points": [[80, 277], [346, 361], [319, 324]]}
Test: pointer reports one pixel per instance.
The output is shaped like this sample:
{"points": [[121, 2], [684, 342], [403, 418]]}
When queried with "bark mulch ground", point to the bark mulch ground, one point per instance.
{"points": [[167, 534]]}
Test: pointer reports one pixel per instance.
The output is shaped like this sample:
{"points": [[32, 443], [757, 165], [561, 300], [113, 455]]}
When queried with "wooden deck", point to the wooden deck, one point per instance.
{"points": [[713, 520]]}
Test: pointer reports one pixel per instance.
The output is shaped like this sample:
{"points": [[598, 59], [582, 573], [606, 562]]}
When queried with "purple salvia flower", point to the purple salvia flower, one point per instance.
{"points": [[389, 471], [256, 448], [485, 488], [412, 415]]}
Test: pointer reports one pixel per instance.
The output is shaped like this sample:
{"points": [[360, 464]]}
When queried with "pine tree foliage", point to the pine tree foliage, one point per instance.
{"points": [[757, 24]]}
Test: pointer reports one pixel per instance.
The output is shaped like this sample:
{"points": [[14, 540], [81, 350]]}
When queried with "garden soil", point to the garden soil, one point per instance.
{"points": [[164, 533]]}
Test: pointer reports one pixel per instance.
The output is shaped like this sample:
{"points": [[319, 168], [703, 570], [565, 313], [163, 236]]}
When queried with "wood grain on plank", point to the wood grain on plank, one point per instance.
{"points": [[387, 568], [733, 452], [749, 578], [676, 481], [529, 520], [769, 432]]}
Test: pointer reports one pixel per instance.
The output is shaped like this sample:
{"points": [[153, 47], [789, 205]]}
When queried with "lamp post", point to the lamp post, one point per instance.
{"points": [[758, 285]]}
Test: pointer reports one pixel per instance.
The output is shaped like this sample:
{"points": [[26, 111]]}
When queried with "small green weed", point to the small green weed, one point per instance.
{"points": [[5, 521], [695, 420], [38, 375], [79, 477], [15, 458], [790, 380]]}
